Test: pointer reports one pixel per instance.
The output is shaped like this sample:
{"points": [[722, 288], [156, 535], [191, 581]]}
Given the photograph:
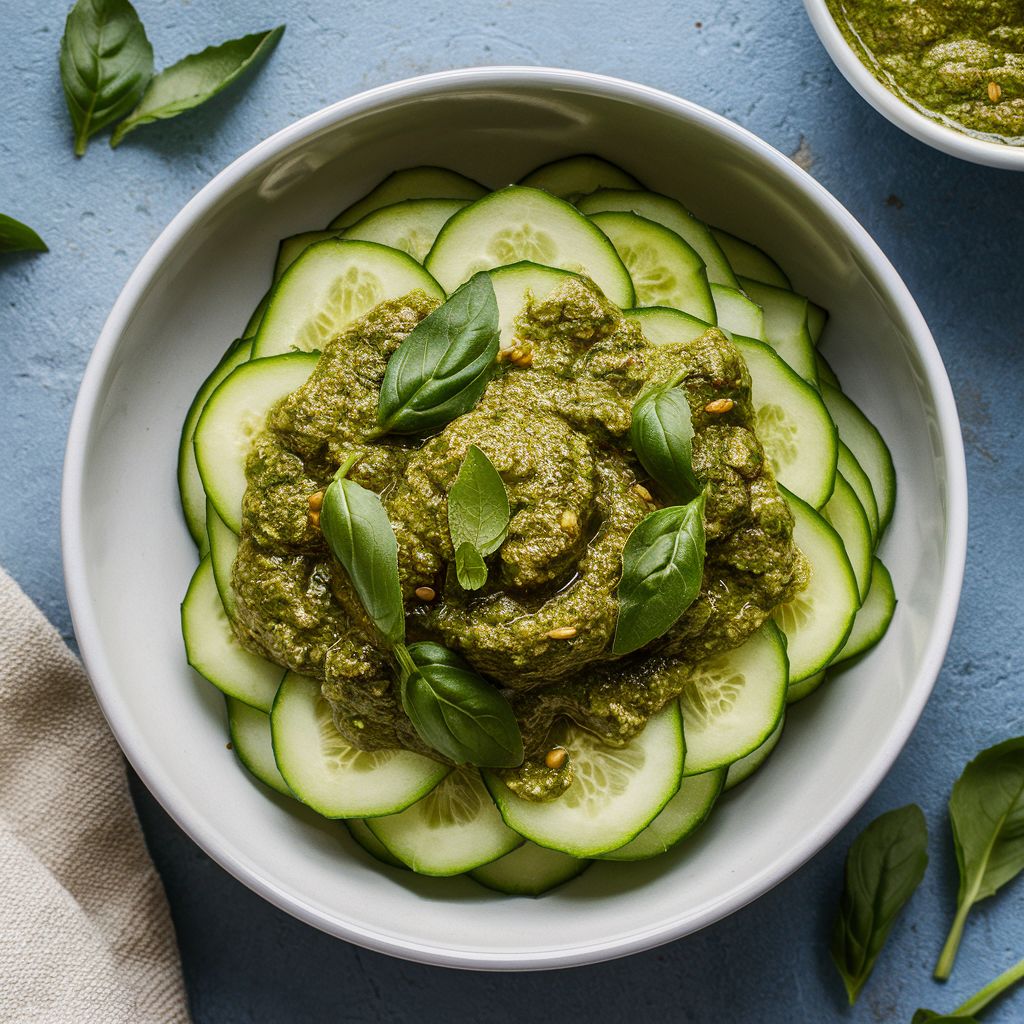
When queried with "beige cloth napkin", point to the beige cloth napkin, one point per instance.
{"points": [[85, 935]]}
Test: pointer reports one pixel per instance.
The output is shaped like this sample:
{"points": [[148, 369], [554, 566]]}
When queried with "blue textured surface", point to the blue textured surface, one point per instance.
{"points": [[954, 231]]}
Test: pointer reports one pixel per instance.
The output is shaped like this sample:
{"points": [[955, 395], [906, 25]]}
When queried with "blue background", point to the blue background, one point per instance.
{"points": [[955, 233]]}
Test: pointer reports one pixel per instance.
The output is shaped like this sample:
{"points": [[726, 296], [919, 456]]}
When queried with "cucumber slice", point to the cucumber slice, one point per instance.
{"points": [[847, 515], [529, 870], [294, 246], [526, 224], [664, 269], [817, 317], [672, 215], [683, 814], [412, 226], [329, 775], [818, 620], [874, 616], [792, 423], [736, 313], [826, 375], [733, 701], [453, 829], [748, 260], [869, 449], [575, 176], [252, 325], [411, 183], [785, 325], [235, 413], [361, 833], [616, 792], [663, 326], [213, 650], [511, 285], [858, 480], [805, 687], [223, 548], [190, 484], [741, 770], [250, 739], [332, 283]]}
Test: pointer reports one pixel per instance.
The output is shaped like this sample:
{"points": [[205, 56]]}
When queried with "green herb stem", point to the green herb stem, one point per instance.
{"points": [[948, 955], [991, 991]]}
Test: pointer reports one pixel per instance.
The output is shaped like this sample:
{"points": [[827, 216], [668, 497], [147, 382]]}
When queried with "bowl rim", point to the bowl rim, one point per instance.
{"points": [[91, 642], [889, 105]]}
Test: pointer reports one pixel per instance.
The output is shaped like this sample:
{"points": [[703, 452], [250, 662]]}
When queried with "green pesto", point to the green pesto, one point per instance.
{"points": [[959, 61], [557, 433]]}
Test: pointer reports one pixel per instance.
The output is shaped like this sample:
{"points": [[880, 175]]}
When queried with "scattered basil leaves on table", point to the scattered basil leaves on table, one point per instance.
{"points": [[441, 369], [478, 517], [18, 237], [884, 866], [662, 434], [197, 78], [106, 68], [359, 534], [986, 810], [106, 62], [455, 711], [662, 570]]}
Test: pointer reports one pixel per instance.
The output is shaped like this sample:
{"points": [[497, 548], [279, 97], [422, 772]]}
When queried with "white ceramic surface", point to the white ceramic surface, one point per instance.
{"points": [[903, 115], [128, 556]]}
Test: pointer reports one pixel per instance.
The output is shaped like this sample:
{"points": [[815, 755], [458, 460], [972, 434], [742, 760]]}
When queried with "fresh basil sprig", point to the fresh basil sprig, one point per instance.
{"points": [[359, 534], [197, 78], [662, 570], [478, 517], [883, 868], [986, 809], [18, 237], [441, 369], [662, 434], [106, 62], [964, 1014], [455, 711]]}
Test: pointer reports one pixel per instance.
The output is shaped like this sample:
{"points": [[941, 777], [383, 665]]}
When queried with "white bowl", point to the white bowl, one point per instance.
{"points": [[128, 556], [903, 115]]}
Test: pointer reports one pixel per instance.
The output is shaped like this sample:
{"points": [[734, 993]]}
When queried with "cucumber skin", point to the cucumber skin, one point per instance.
{"points": [[240, 350]]}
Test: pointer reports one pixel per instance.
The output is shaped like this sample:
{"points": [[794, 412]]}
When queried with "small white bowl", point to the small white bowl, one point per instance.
{"points": [[903, 115], [128, 556]]}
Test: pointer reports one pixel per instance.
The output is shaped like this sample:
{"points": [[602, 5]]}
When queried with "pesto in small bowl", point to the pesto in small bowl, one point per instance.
{"points": [[959, 62]]}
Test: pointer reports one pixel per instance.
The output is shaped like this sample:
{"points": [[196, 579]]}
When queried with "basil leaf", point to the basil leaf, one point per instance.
{"points": [[931, 1017], [428, 652], [883, 868], [106, 63], [478, 517], [197, 78], [458, 712], [470, 567], [478, 509], [661, 434], [986, 809], [359, 534], [441, 369], [18, 237], [662, 571]]}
